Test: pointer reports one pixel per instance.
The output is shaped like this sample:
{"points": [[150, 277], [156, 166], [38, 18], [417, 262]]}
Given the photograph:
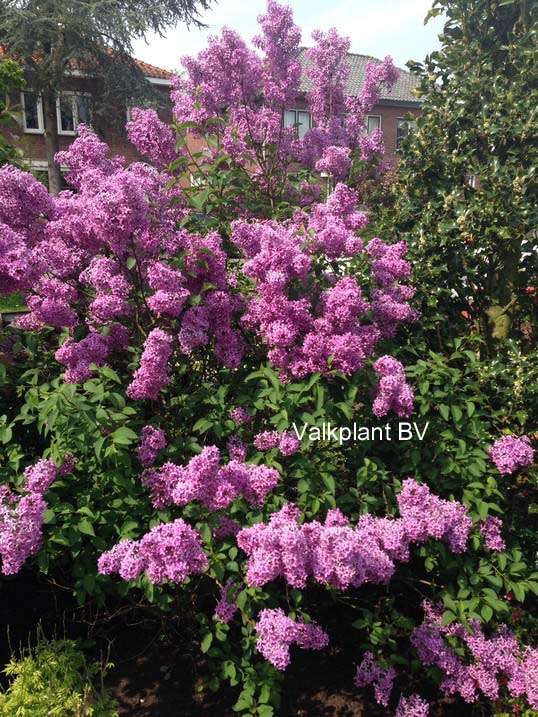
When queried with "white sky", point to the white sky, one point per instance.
{"points": [[376, 27]]}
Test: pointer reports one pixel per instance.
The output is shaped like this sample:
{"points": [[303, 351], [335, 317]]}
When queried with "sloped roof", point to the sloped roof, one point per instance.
{"points": [[400, 93], [147, 70], [153, 71]]}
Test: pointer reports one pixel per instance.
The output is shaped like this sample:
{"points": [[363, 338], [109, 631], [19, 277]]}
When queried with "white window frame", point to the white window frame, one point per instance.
{"points": [[368, 117], [412, 125], [295, 125], [40, 117], [74, 109]]}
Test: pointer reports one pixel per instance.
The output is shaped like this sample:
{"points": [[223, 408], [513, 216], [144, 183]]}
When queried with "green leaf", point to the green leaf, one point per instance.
{"points": [[86, 527], [123, 436], [206, 642]]}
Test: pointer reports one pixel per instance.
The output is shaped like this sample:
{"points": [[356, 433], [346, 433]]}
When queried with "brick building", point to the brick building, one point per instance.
{"points": [[388, 114], [74, 106]]}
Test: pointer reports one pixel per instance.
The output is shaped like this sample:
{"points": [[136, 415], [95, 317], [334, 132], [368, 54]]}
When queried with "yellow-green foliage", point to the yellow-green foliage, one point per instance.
{"points": [[54, 680]]}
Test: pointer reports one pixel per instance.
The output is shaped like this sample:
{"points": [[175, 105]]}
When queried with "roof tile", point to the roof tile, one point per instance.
{"points": [[401, 91]]}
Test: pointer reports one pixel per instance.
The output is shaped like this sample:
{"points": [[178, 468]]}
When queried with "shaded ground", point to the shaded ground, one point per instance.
{"points": [[156, 671]]}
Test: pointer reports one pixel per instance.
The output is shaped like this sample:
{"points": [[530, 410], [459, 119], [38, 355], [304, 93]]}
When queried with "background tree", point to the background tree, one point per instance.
{"points": [[48, 37], [466, 194], [11, 78]]}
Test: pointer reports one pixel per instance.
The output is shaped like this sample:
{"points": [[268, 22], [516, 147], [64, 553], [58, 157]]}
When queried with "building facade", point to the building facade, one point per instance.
{"points": [[73, 106]]}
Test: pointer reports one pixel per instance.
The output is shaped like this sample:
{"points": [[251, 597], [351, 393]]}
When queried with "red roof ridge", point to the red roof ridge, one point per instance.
{"points": [[146, 68]]}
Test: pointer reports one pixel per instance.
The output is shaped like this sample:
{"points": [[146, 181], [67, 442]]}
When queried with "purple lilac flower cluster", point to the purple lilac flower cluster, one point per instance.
{"points": [[239, 415], [510, 453], [21, 516], [278, 632], [491, 530], [321, 329], [227, 79], [492, 662], [287, 442], [87, 258], [205, 480], [370, 673], [170, 551], [154, 371], [226, 608], [393, 392], [413, 706], [151, 136], [337, 554], [152, 440]]}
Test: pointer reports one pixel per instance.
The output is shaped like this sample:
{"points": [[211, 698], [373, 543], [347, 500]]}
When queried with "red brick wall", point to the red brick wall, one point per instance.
{"points": [[112, 132], [389, 124]]}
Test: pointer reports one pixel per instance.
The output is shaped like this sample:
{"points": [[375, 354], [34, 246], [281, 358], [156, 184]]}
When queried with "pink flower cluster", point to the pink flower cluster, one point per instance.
{"points": [[491, 530], [239, 415], [369, 672], [154, 371], [510, 453], [393, 393], [287, 442], [151, 136], [337, 554], [227, 80], [170, 551], [226, 608], [413, 706], [205, 480], [278, 632], [152, 440], [491, 661], [328, 325], [21, 516]]}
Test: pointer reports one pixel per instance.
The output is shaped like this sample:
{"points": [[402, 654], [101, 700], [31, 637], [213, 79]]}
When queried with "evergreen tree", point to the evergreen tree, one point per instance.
{"points": [[51, 37], [466, 195]]}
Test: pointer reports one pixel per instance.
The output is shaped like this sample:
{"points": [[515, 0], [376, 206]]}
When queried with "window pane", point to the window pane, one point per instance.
{"points": [[303, 118], [403, 129], [289, 118], [67, 120], [373, 123], [83, 109], [31, 111]]}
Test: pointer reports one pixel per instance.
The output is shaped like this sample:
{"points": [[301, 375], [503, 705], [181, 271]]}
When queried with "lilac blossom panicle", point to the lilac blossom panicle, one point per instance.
{"points": [[491, 531], [393, 393], [154, 371], [204, 479], [370, 673], [226, 608], [239, 415], [287, 442], [152, 440], [151, 136], [335, 553], [492, 661], [170, 551], [22, 516], [510, 453], [278, 632], [413, 706]]}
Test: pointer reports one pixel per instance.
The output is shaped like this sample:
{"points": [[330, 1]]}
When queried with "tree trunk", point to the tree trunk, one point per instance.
{"points": [[51, 142]]}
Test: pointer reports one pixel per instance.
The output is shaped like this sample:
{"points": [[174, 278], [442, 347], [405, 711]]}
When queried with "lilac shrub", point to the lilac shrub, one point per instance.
{"points": [[177, 337]]}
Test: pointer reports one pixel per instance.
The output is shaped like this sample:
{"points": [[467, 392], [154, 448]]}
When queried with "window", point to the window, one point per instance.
{"points": [[71, 110], [404, 128], [32, 113], [373, 122], [300, 119]]}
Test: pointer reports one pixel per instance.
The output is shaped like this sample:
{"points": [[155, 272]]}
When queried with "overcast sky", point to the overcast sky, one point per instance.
{"points": [[376, 27]]}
